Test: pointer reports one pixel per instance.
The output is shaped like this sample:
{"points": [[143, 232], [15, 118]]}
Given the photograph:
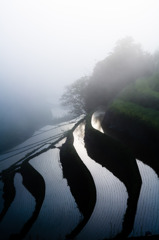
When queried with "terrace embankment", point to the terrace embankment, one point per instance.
{"points": [[140, 136], [119, 160], [80, 181], [133, 119], [34, 183]]}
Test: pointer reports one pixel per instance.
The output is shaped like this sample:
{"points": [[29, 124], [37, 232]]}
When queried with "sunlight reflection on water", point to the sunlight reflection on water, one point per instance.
{"points": [[147, 216], [59, 214], [106, 220]]}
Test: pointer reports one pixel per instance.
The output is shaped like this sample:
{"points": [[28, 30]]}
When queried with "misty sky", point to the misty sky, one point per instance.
{"points": [[47, 44]]}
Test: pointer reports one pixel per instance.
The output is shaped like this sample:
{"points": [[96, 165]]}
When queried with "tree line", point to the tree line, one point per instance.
{"points": [[126, 63]]}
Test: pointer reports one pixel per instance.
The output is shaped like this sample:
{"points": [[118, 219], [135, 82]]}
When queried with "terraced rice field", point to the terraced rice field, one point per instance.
{"points": [[59, 213]]}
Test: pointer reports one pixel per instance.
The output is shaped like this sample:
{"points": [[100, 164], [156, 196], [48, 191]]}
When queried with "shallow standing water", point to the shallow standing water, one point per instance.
{"points": [[59, 213]]}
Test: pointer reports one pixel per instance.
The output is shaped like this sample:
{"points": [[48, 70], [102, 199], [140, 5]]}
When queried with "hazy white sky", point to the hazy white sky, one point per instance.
{"points": [[47, 44]]}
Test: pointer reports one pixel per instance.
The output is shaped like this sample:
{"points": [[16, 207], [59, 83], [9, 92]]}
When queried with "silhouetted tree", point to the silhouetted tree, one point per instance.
{"points": [[74, 96]]}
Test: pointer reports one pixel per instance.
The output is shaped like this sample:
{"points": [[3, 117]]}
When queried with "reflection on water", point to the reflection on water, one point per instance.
{"points": [[19, 212], [97, 118], [80, 181], [106, 220], [59, 213], [115, 157], [147, 216]]}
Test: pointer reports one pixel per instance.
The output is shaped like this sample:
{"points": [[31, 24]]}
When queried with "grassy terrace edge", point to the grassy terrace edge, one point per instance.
{"points": [[147, 116]]}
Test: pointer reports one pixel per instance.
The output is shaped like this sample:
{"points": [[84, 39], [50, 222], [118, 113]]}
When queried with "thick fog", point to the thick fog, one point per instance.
{"points": [[46, 45]]}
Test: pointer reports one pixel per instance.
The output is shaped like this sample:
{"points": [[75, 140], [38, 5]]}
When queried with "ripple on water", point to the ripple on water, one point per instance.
{"points": [[147, 216], [106, 219], [59, 214], [19, 212]]}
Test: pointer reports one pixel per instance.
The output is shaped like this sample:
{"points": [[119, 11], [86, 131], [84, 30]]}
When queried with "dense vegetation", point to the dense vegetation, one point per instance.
{"points": [[126, 63], [133, 118], [140, 102]]}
